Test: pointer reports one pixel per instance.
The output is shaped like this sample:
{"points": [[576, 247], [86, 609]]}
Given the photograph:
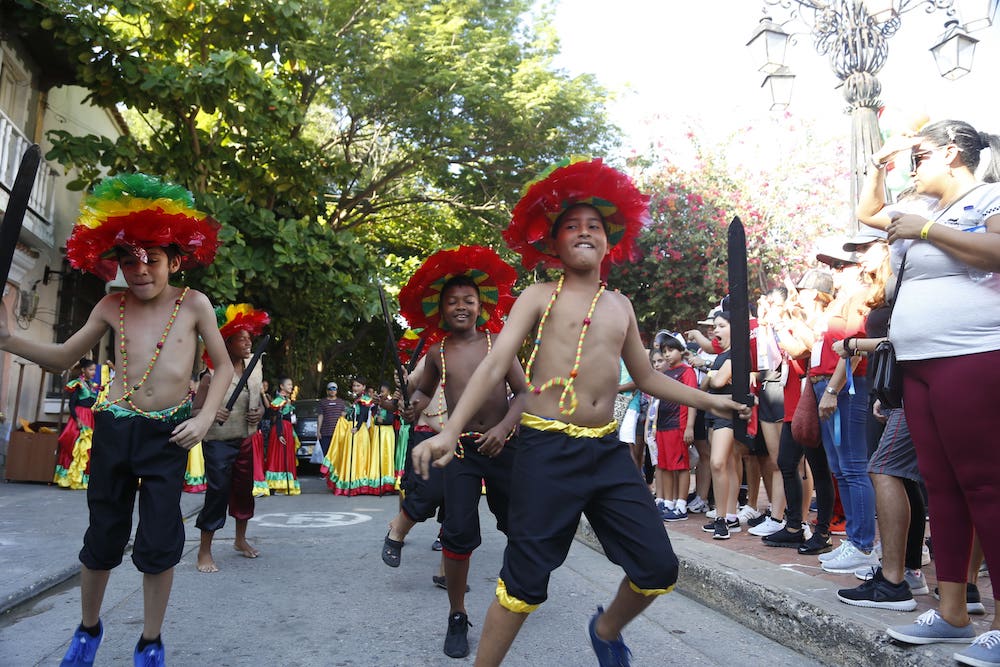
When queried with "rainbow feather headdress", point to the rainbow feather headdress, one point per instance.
{"points": [[419, 300], [576, 180], [238, 317], [134, 212]]}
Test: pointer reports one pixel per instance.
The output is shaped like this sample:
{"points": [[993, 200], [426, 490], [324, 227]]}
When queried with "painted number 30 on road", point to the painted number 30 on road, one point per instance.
{"points": [[310, 519]]}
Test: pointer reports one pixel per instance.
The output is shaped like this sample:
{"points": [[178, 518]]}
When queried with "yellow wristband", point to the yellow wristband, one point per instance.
{"points": [[926, 229]]}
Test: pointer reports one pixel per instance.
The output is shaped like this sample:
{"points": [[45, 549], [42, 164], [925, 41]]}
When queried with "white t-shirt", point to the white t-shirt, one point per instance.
{"points": [[940, 310]]}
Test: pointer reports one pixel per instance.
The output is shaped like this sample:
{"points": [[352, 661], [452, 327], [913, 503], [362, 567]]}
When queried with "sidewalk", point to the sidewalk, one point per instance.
{"points": [[774, 592], [41, 532], [789, 598]]}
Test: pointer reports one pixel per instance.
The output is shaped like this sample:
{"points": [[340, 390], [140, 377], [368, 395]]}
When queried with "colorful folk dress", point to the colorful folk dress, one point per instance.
{"points": [[194, 476], [381, 474], [281, 447], [73, 461], [350, 448]]}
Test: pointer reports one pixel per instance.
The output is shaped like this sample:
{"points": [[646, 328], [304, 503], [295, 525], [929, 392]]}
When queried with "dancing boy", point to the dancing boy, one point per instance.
{"points": [[577, 216], [458, 293], [142, 425]]}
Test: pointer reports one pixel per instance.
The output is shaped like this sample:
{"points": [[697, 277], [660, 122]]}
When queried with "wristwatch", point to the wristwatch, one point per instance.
{"points": [[830, 390]]}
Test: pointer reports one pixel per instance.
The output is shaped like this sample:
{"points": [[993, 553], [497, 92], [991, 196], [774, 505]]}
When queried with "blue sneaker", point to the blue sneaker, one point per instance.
{"points": [[152, 656], [609, 653], [674, 515], [930, 628], [83, 648], [985, 651]]}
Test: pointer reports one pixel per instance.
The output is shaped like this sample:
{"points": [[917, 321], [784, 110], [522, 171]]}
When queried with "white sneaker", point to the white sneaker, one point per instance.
{"points": [[711, 514], [830, 555], [877, 550], [746, 513], [916, 581], [865, 573], [849, 560], [769, 527], [925, 556], [698, 505]]}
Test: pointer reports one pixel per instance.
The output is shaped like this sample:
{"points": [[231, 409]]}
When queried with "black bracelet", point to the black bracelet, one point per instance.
{"points": [[847, 346]]}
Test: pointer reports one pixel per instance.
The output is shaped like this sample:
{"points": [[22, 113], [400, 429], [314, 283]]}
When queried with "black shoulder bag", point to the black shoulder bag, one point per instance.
{"points": [[887, 376]]}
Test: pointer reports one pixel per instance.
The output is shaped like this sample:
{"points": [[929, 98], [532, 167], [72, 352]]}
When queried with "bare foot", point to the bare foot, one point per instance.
{"points": [[206, 563], [245, 549]]}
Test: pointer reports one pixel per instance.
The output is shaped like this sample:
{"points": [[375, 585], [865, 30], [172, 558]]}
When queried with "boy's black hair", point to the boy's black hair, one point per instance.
{"points": [[670, 342], [281, 380], [360, 379], [558, 221], [462, 280]]}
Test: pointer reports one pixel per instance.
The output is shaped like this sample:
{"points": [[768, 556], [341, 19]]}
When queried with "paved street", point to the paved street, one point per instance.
{"points": [[320, 595]]}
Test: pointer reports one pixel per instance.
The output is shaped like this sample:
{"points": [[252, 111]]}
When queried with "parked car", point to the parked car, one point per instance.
{"points": [[306, 413]]}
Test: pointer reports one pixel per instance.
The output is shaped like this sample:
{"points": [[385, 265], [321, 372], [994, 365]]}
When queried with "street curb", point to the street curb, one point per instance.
{"points": [[772, 605], [46, 583]]}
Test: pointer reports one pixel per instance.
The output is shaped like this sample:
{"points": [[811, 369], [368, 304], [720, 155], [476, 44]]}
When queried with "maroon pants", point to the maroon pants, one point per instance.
{"points": [[951, 409]]}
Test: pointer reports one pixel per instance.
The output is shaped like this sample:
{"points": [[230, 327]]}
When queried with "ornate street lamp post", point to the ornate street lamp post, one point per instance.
{"points": [[854, 34]]}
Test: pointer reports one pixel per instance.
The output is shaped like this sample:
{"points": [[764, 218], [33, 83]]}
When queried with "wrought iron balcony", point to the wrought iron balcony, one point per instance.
{"points": [[38, 229]]}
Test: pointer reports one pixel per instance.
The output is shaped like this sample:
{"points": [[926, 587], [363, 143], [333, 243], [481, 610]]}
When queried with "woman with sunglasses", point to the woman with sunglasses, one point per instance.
{"points": [[946, 332]]}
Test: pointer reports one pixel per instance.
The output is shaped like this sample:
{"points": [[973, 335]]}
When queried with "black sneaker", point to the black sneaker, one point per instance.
{"points": [[880, 594], [734, 526], [456, 642], [973, 601], [710, 526], [721, 529], [753, 523], [816, 545], [784, 538]]}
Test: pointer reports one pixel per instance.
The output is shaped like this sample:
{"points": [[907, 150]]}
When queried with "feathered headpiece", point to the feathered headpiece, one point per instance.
{"points": [[136, 211], [238, 317], [419, 300], [576, 180]]}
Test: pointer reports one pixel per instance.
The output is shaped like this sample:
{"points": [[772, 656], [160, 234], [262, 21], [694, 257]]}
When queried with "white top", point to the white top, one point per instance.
{"points": [[940, 310]]}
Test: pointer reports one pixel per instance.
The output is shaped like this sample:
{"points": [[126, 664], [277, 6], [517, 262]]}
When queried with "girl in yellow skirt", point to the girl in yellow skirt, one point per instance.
{"points": [[73, 462], [382, 465], [350, 447]]}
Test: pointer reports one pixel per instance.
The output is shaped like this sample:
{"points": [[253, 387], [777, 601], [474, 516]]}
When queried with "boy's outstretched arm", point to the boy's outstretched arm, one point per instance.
{"points": [[491, 371], [189, 433], [656, 384], [59, 356]]}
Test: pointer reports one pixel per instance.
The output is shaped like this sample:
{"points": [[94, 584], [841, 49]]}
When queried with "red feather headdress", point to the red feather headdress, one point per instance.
{"points": [[238, 317], [573, 181], [136, 211], [419, 300]]}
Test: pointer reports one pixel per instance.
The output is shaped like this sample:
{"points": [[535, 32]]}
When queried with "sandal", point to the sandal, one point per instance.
{"points": [[391, 552]]}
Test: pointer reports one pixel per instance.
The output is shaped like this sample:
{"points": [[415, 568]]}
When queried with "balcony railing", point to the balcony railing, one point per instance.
{"points": [[38, 223]]}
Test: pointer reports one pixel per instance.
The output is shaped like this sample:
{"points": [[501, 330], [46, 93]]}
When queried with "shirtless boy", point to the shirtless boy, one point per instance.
{"points": [[472, 285], [583, 330], [142, 426]]}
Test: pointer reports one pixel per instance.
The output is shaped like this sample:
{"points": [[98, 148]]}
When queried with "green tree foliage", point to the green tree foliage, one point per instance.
{"points": [[337, 142]]}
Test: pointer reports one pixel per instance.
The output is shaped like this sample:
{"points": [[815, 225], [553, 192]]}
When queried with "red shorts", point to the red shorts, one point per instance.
{"points": [[672, 451]]}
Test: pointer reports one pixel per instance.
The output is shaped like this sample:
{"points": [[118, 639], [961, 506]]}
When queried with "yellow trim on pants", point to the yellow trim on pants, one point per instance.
{"points": [[572, 430], [649, 592], [511, 603]]}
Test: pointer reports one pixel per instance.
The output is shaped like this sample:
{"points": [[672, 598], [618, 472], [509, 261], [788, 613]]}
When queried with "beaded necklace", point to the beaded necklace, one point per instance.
{"points": [[161, 415], [567, 400], [444, 376]]}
